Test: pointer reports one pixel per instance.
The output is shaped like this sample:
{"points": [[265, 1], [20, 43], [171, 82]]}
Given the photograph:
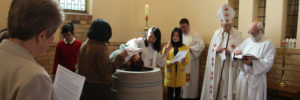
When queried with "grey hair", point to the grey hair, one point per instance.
{"points": [[260, 27], [27, 18]]}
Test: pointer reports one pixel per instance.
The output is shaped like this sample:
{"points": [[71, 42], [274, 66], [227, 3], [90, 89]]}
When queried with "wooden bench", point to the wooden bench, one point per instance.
{"points": [[289, 91]]}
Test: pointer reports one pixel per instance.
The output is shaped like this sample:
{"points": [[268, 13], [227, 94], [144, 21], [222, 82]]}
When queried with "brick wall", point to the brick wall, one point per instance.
{"points": [[81, 24], [47, 59]]}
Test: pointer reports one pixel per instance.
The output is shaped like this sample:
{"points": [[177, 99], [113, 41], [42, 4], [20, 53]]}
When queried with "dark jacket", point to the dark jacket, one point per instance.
{"points": [[94, 64]]}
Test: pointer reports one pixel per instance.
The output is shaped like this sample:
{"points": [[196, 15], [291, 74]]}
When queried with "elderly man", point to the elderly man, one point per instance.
{"points": [[219, 75], [256, 59], [31, 26], [196, 45]]}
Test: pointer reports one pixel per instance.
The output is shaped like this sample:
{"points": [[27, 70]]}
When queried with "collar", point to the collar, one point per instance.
{"points": [[15, 49], [95, 42], [233, 33], [66, 42]]}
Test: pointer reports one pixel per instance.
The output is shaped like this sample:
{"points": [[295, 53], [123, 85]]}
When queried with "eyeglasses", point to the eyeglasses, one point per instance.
{"points": [[253, 32]]}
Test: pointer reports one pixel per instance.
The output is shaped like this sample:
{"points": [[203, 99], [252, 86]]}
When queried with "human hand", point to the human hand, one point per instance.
{"points": [[183, 59], [168, 48], [247, 60], [174, 62], [227, 52], [219, 50], [238, 52], [136, 57]]}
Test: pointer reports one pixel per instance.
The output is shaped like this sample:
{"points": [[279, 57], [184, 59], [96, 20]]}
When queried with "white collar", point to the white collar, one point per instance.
{"points": [[66, 42]]}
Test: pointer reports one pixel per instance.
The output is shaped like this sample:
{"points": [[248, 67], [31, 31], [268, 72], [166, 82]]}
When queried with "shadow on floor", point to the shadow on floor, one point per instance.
{"points": [[276, 97]]}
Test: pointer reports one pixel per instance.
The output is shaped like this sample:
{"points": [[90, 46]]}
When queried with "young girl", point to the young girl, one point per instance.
{"points": [[175, 72], [67, 50]]}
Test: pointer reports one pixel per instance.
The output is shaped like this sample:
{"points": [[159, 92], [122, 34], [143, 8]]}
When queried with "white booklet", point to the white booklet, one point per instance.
{"points": [[245, 55], [67, 84], [180, 55]]}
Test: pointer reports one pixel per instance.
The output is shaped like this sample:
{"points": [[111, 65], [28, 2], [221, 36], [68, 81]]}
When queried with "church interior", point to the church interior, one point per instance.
{"points": [[131, 18]]}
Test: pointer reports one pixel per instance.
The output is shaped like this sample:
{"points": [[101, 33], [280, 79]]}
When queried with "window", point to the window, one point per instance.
{"points": [[261, 16], [236, 17], [292, 19], [74, 5]]}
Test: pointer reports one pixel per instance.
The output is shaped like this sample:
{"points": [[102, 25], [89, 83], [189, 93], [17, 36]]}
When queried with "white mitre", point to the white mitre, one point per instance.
{"points": [[226, 14]]}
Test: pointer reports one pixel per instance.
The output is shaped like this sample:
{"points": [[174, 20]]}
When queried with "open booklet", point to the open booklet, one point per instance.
{"points": [[180, 55], [67, 84], [241, 56]]}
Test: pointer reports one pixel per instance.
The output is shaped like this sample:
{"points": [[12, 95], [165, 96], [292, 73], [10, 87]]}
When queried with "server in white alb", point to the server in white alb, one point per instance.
{"points": [[258, 58]]}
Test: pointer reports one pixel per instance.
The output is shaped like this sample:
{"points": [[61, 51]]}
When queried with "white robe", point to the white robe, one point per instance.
{"points": [[150, 57], [251, 83], [214, 64], [194, 41]]}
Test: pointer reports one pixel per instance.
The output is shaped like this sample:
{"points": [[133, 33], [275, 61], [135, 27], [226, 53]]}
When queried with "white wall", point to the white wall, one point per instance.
{"points": [[246, 16], [5, 4], [274, 20], [127, 17]]}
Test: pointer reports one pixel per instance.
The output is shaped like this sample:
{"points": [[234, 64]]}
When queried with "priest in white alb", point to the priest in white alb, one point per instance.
{"points": [[257, 56], [196, 45], [220, 75]]}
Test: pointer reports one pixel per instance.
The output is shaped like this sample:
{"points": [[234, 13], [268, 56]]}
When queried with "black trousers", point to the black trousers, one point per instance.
{"points": [[92, 91], [171, 93]]}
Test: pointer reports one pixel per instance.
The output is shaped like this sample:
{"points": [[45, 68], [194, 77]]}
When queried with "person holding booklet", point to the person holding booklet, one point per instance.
{"points": [[257, 59], [31, 27], [175, 75]]}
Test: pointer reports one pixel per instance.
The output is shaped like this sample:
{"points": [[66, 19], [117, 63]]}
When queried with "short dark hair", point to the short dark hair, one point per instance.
{"points": [[157, 44], [184, 21], [27, 18], [180, 42], [68, 28], [100, 30]]}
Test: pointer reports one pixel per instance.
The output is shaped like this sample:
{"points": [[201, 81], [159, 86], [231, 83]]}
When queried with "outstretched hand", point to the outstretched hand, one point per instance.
{"points": [[168, 48]]}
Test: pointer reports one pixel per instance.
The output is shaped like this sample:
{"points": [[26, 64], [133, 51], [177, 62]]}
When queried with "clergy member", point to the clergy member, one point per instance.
{"points": [[31, 26], [258, 58], [196, 45], [151, 48], [220, 75]]}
